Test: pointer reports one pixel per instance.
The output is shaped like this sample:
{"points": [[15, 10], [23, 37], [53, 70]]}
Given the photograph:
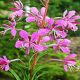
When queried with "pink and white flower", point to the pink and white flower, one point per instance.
{"points": [[69, 61], [18, 12], [69, 21], [11, 27], [63, 45], [33, 41], [4, 63]]}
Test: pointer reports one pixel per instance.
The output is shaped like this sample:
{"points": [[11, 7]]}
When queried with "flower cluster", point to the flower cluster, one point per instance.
{"points": [[54, 30]]}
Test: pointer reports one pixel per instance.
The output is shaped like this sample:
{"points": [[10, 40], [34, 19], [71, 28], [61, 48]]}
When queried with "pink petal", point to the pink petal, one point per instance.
{"points": [[42, 11], [30, 19], [17, 4], [76, 17], [7, 67], [39, 48], [23, 34], [55, 47], [65, 49], [45, 39], [65, 68], [43, 32], [71, 63], [61, 23], [71, 13], [19, 13], [65, 13], [70, 56], [27, 50], [7, 26], [61, 34], [72, 27], [5, 58], [50, 22], [19, 44], [13, 32], [34, 10], [64, 42], [34, 37], [13, 9], [13, 24]]}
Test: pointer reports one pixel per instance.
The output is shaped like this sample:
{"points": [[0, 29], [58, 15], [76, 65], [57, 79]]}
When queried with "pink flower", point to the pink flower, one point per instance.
{"points": [[33, 41], [4, 63], [11, 27], [18, 12], [63, 45], [69, 61], [36, 16], [68, 21], [59, 33]]}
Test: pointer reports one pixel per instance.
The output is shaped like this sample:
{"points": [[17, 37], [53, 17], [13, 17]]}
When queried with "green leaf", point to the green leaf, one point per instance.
{"points": [[14, 74]]}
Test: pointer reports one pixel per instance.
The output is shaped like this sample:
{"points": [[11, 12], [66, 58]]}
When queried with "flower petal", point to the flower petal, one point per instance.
{"points": [[34, 10], [7, 67], [30, 19], [27, 50], [71, 62], [72, 27], [34, 37], [42, 11], [19, 44], [23, 34], [61, 34], [71, 13], [65, 68], [65, 13], [50, 22], [65, 49], [13, 32], [70, 56], [43, 32], [45, 39], [39, 48]]}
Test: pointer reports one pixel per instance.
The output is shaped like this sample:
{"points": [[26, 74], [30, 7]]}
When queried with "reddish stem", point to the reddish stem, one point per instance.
{"points": [[46, 9], [42, 2]]}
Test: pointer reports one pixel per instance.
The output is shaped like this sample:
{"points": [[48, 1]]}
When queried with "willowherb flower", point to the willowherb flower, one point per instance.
{"points": [[36, 16], [4, 63], [69, 61], [33, 41], [11, 27], [68, 21], [63, 45], [18, 12], [59, 33]]}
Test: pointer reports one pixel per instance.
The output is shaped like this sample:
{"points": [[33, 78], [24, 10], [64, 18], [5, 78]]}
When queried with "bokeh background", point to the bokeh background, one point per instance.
{"points": [[55, 72]]}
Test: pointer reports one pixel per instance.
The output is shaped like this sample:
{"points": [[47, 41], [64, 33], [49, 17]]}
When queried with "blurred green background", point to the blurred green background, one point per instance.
{"points": [[55, 71]]}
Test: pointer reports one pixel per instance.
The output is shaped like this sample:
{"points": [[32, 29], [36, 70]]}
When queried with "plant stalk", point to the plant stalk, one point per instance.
{"points": [[36, 54]]}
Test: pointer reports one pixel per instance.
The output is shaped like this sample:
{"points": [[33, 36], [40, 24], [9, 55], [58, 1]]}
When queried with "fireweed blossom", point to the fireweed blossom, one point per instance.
{"points": [[33, 41], [11, 27], [63, 45], [69, 61], [4, 63], [57, 33], [18, 12], [68, 21], [36, 16]]}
